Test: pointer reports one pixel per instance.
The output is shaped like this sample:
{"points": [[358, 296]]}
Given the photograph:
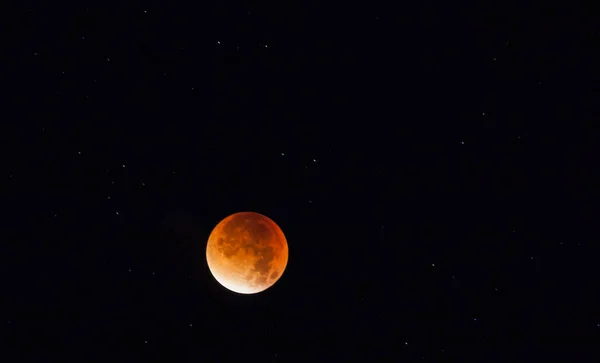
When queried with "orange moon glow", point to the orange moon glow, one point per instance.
{"points": [[247, 252]]}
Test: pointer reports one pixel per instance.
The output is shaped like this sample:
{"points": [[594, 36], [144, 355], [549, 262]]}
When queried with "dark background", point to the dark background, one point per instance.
{"points": [[433, 167]]}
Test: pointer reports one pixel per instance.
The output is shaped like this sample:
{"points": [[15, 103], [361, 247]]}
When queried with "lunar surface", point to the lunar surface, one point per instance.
{"points": [[247, 252]]}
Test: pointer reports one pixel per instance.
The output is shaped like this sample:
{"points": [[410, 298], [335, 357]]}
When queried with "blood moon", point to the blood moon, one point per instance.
{"points": [[247, 252]]}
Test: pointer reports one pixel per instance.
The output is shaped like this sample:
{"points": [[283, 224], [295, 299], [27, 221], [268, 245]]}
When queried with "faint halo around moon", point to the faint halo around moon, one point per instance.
{"points": [[247, 252]]}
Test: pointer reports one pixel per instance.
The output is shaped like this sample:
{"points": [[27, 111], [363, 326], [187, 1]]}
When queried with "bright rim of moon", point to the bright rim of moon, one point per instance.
{"points": [[247, 252]]}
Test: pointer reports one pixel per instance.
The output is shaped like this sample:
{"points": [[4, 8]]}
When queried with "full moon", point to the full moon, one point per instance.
{"points": [[247, 252]]}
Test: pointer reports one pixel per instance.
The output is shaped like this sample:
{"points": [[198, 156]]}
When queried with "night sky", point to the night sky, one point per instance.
{"points": [[433, 167]]}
